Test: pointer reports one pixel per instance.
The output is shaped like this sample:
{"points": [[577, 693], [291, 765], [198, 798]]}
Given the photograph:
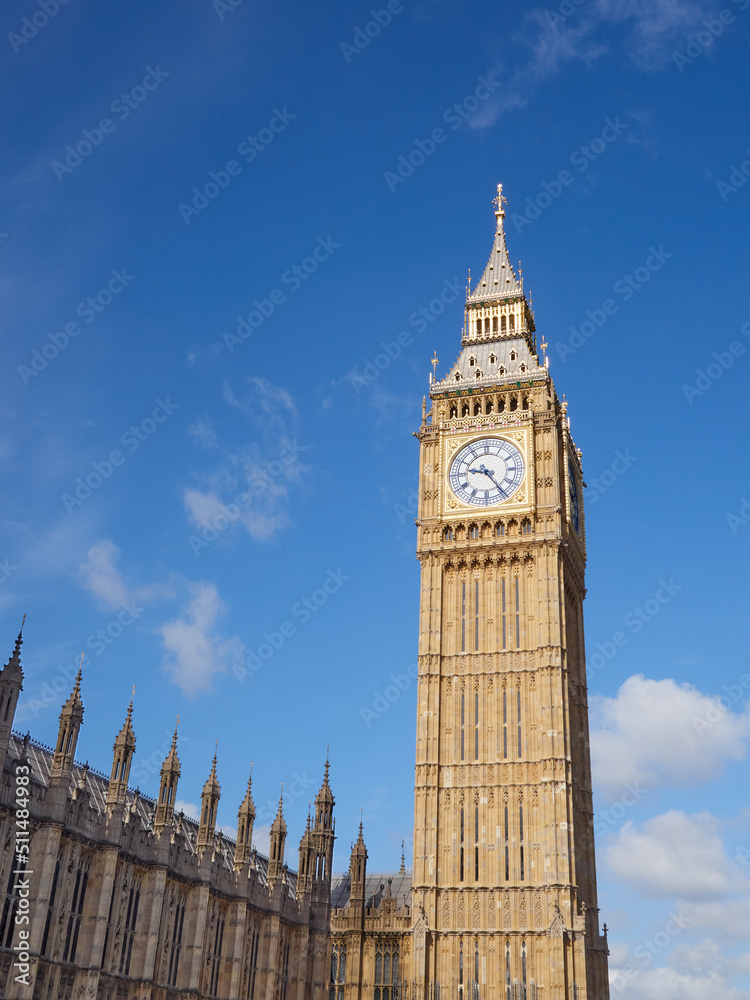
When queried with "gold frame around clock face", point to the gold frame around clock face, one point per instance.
{"points": [[486, 471]]}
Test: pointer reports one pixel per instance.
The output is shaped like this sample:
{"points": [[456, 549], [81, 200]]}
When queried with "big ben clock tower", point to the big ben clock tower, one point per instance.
{"points": [[504, 898]]}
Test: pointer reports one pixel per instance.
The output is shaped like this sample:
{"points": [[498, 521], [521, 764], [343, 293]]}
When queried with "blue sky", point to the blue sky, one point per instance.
{"points": [[253, 470]]}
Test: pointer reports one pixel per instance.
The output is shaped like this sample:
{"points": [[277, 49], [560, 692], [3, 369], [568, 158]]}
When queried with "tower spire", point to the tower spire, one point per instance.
{"points": [[11, 686], [124, 748], [245, 821], [209, 803], [170, 773], [71, 719]]}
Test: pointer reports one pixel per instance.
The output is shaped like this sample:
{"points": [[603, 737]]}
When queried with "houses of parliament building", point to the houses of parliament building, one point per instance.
{"points": [[108, 895]]}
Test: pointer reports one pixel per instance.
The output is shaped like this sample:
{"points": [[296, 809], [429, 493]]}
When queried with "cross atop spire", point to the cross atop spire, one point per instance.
{"points": [[499, 280]]}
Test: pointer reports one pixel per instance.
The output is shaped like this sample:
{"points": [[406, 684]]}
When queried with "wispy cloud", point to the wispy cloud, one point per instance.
{"points": [[194, 652], [254, 480]]}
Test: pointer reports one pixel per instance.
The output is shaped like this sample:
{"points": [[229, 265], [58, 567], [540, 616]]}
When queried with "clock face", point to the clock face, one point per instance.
{"points": [[486, 472], [573, 492]]}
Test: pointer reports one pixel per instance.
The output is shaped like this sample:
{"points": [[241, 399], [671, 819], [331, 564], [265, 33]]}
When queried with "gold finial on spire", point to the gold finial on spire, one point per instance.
{"points": [[434, 363], [498, 202]]}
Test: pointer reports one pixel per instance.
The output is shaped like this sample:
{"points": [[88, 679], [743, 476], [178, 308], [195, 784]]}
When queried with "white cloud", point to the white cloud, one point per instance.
{"points": [[194, 653], [202, 432], [632, 983], [656, 27], [253, 486], [674, 856], [662, 731], [99, 574], [191, 810]]}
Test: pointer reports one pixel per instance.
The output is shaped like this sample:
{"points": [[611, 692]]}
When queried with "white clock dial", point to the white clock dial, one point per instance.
{"points": [[486, 472]]}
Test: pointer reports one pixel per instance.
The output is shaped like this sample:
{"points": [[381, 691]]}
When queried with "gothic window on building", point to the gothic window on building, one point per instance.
{"points": [[479, 327], [461, 848], [503, 324], [522, 370], [500, 530], [76, 912], [494, 324], [461, 969], [518, 616], [520, 838], [453, 412], [505, 725], [507, 971], [46, 943], [463, 707], [218, 945], [478, 404], [476, 610], [386, 972], [507, 847], [488, 406], [472, 361], [458, 376], [476, 844], [525, 403], [465, 410], [128, 931], [502, 606], [501, 403], [474, 531], [501, 370], [285, 949], [448, 534], [513, 354], [518, 719], [175, 947], [463, 626], [513, 403], [338, 972], [511, 322], [526, 527], [475, 984], [478, 376], [523, 967], [10, 905]]}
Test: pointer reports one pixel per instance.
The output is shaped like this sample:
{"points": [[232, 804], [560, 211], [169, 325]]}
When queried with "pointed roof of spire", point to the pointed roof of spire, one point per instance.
{"points": [[499, 279], [247, 806], [359, 844], [126, 736], [325, 794], [402, 869], [12, 668], [172, 761], [212, 786], [74, 704], [278, 825]]}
